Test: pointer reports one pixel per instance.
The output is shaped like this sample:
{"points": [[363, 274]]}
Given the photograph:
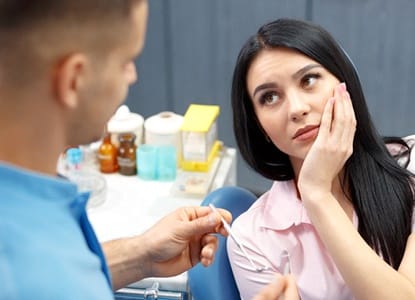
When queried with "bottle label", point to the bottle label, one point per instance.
{"points": [[105, 157], [125, 162]]}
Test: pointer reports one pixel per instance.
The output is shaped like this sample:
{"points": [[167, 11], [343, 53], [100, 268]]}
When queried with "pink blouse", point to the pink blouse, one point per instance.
{"points": [[266, 230]]}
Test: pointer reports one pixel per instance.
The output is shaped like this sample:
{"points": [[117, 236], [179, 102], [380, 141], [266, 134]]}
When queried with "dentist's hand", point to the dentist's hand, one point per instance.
{"points": [[173, 245], [182, 239]]}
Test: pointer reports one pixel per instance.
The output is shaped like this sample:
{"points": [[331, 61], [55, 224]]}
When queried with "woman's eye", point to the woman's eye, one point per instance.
{"points": [[269, 98], [309, 80]]}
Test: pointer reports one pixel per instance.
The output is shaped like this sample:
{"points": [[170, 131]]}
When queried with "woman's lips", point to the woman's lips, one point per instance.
{"points": [[306, 133]]}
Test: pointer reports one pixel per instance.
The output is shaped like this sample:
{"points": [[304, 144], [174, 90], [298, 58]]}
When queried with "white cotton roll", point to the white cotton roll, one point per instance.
{"points": [[164, 129]]}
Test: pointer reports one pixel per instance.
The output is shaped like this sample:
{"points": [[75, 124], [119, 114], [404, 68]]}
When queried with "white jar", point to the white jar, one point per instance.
{"points": [[124, 121], [163, 129]]}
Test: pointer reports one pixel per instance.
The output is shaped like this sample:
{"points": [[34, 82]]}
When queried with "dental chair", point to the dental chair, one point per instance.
{"points": [[216, 282]]}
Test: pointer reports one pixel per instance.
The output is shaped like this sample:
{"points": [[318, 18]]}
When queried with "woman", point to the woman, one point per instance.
{"points": [[340, 205]]}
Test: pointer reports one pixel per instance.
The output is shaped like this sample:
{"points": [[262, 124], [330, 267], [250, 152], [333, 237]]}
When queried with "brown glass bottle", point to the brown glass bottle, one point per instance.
{"points": [[127, 154], [107, 155]]}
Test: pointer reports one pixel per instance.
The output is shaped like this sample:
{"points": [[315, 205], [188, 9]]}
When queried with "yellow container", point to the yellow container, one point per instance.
{"points": [[199, 137]]}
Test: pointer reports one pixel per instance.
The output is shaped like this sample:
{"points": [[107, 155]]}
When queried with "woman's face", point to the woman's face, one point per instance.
{"points": [[289, 91]]}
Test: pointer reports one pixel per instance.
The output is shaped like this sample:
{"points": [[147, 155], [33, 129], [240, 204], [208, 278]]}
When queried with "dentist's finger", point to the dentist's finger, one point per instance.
{"points": [[209, 247]]}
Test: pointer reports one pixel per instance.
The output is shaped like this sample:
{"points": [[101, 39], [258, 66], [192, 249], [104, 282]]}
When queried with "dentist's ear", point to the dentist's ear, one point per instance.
{"points": [[69, 77]]}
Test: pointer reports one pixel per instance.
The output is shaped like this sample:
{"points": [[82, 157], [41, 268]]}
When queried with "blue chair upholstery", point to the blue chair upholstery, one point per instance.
{"points": [[216, 282]]}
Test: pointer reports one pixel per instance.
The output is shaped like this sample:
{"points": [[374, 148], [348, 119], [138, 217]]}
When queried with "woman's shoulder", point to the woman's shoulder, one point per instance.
{"points": [[253, 212], [279, 193], [402, 149], [410, 140]]}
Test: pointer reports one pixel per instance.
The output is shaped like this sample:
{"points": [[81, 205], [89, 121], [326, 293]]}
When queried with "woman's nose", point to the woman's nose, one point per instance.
{"points": [[298, 107]]}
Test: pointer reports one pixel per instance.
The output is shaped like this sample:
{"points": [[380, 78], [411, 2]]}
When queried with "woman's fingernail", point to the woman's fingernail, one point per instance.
{"points": [[343, 86]]}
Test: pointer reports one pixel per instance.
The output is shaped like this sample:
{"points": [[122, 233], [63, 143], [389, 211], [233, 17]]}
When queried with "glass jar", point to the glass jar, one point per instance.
{"points": [[107, 155], [127, 154]]}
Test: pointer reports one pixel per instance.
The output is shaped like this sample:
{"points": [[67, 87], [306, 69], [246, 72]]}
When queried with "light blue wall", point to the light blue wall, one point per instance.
{"points": [[192, 45]]}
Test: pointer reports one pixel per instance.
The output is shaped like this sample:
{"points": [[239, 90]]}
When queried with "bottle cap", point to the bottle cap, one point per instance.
{"points": [[74, 156], [125, 121]]}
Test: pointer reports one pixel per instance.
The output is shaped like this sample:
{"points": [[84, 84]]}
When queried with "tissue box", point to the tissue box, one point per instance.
{"points": [[199, 137]]}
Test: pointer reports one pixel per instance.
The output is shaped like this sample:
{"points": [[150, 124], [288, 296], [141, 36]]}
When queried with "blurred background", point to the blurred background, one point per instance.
{"points": [[192, 45]]}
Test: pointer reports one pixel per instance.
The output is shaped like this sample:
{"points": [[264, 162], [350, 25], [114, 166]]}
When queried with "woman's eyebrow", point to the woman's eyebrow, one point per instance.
{"points": [[295, 76], [263, 86], [304, 70]]}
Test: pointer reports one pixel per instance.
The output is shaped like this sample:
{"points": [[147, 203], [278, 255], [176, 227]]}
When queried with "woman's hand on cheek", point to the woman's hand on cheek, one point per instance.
{"points": [[332, 147]]}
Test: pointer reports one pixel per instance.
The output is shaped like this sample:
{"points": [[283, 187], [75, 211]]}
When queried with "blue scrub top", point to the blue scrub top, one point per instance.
{"points": [[48, 249]]}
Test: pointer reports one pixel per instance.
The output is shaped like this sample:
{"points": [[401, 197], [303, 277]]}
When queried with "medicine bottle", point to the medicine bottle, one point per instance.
{"points": [[107, 155], [127, 154]]}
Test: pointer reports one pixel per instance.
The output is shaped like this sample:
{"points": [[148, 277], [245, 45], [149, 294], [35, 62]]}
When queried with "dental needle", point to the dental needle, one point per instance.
{"points": [[237, 242]]}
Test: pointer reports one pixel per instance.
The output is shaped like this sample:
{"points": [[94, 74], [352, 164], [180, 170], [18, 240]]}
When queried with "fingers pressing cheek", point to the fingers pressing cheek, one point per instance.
{"points": [[349, 116]]}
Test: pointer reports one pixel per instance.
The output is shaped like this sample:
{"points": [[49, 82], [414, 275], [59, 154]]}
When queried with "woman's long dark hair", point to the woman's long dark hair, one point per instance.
{"points": [[380, 189]]}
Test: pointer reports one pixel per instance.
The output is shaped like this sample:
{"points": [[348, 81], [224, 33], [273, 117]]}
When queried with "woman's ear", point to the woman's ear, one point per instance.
{"points": [[69, 78]]}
